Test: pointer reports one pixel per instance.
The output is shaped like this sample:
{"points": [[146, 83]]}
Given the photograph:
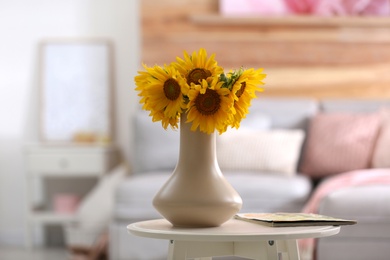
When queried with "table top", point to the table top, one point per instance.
{"points": [[232, 230]]}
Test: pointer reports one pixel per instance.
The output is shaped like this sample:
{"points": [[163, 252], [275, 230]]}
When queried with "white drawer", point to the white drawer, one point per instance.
{"points": [[58, 163]]}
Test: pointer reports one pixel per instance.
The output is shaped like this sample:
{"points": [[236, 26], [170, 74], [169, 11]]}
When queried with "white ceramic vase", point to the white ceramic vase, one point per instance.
{"points": [[197, 194]]}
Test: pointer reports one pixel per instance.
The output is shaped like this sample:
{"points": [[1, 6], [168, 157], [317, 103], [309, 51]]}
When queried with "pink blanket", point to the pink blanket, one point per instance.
{"points": [[348, 179]]}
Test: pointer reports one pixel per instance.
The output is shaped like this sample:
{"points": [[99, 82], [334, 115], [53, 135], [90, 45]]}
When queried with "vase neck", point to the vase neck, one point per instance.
{"points": [[196, 146]]}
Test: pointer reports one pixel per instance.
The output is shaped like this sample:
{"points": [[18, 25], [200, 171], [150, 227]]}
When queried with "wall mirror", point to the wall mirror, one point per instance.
{"points": [[76, 91]]}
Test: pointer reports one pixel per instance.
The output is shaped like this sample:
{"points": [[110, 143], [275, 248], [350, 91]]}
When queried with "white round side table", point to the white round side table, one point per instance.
{"points": [[235, 237]]}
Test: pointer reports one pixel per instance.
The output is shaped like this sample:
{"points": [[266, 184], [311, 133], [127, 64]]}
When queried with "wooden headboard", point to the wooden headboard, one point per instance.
{"points": [[303, 56]]}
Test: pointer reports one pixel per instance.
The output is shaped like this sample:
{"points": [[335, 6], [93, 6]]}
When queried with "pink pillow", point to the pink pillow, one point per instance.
{"points": [[339, 142], [381, 157]]}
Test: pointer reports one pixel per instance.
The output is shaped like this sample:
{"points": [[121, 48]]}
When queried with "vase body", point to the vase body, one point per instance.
{"points": [[197, 194]]}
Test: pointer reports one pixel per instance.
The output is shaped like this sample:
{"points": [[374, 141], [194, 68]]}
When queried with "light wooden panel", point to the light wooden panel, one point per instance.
{"points": [[366, 81], [303, 56]]}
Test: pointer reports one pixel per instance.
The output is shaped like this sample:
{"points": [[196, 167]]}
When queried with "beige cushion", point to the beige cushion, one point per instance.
{"points": [[265, 151]]}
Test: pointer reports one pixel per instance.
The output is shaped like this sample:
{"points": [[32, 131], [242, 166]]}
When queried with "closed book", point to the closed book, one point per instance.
{"points": [[283, 219]]}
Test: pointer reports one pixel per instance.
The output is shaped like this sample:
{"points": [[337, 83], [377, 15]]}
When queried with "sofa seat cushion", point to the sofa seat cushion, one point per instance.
{"points": [[260, 192], [267, 192], [369, 205], [370, 237]]}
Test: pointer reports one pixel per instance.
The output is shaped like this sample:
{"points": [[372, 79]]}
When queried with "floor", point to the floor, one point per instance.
{"points": [[19, 253]]}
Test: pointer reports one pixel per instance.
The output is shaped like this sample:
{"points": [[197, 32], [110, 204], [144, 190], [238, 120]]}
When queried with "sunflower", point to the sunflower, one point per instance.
{"points": [[245, 85], [141, 81], [197, 66], [197, 86], [165, 121], [209, 106], [160, 89]]}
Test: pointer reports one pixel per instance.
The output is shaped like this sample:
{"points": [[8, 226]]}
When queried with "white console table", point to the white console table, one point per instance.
{"points": [[61, 161], [235, 237]]}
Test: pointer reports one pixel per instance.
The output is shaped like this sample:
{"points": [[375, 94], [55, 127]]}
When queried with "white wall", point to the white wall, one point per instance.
{"points": [[23, 23]]}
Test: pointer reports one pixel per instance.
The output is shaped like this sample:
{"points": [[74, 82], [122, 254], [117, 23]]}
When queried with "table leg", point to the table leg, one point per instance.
{"points": [[268, 250], [261, 250], [292, 249], [287, 250], [176, 252], [181, 250]]}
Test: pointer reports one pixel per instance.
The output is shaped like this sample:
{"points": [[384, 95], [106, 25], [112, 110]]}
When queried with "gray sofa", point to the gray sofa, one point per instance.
{"points": [[154, 157]]}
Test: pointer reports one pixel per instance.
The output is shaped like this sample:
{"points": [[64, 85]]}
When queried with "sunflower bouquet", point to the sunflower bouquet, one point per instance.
{"points": [[198, 86]]}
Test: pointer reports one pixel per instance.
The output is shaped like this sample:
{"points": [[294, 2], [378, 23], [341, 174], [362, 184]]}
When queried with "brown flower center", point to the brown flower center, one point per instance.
{"points": [[171, 89], [196, 75], [208, 103], [241, 90]]}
